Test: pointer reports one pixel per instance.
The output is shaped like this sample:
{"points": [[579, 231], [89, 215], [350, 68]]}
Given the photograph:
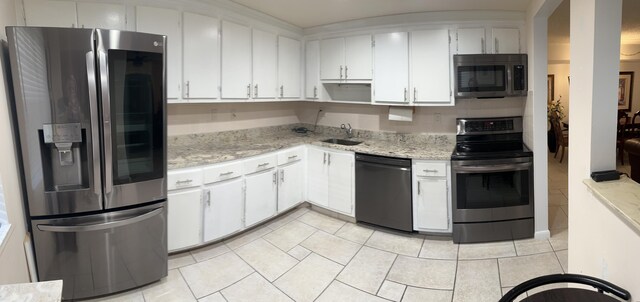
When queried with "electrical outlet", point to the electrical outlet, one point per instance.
{"points": [[437, 118]]}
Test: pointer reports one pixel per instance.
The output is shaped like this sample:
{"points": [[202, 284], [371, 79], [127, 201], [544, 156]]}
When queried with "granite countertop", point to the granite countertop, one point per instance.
{"points": [[38, 291], [203, 149], [622, 197]]}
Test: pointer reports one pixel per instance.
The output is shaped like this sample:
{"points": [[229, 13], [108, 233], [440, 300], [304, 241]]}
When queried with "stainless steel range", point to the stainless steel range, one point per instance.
{"points": [[492, 181]]}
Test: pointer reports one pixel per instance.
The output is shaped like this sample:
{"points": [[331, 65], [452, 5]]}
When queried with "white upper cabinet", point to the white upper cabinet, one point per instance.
{"points": [[164, 21], [346, 58], [236, 61], [430, 66], [101, 15], [391, 61], [265, 56], [506, 40], [289, 67], [470, 40], [312, 70], [201, 57], [50, 13]]}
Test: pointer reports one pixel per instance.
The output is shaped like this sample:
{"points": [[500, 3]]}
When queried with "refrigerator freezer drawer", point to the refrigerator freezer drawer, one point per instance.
{"points": [[103, 253]]}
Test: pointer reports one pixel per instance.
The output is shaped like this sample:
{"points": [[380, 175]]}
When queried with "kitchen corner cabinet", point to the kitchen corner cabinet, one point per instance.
{"points": [[312, 70], [236, 61], [331, 179], [265, 56], [391, 75], [223, 208], [431, 196], [167, 22], [184, 227], [289, 67], [261, 189], [201, 57], [345, 59], [101, 15], [50, 13], [476, 40]]}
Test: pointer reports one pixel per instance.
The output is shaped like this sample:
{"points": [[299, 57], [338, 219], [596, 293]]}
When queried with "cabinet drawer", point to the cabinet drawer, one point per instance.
{"points": [[290, 155], [222, 172], [260, 163], [187, 178], [431, 169]]}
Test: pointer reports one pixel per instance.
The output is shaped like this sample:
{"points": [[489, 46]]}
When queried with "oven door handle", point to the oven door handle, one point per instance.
{"points": [[492, 168]]}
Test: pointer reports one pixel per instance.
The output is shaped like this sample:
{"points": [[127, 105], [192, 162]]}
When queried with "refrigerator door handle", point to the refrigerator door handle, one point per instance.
{"points": [[95, 136], [106, 119], [98, 226]]}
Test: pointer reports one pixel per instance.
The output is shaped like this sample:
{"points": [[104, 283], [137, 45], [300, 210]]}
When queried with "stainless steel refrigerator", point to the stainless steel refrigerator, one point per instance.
{"points": [[90, 111]]}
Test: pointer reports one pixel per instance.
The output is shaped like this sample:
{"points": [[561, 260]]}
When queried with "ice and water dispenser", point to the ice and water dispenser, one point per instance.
{"points": [[64, 156]]}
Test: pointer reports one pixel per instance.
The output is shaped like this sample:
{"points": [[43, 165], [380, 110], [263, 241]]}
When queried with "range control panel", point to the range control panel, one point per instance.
{"points": [[477, 126]]}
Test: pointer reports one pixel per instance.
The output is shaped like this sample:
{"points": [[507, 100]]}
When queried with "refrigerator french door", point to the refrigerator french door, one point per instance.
{"points": [[90, 113]]}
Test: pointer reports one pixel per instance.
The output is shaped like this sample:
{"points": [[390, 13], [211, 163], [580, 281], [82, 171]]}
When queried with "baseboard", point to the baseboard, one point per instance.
{"points": [[545, 234]]}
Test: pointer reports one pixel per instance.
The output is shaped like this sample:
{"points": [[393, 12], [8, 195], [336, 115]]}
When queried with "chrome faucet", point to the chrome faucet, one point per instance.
{"points": [[347, 129]]}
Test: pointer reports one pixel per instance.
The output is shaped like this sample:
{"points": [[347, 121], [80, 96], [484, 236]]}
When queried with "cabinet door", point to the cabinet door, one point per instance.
{"points": [[265, 56], [164, 21], [290, 181], [332, 59], [312, 70], [50, 13], [391, 57], [260, 198], [506, 40], [318, 183], [184, 225], [101, 15], [235, 81], [358, 54], [223, 209], [289, 67], [430, 66], [432, 205], [201, 56], [341, 182], [470, 40]]}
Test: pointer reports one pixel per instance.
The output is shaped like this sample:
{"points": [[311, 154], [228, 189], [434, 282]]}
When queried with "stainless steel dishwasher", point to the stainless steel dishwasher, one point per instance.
{"points": [[383, 191]]}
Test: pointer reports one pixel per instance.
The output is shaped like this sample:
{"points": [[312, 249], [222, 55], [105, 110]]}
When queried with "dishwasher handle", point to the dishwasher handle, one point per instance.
{"points": [[383, 166], [384, 160]]}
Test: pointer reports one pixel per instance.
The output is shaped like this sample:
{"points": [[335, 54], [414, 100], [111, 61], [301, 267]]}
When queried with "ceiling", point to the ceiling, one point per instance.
{"points": [[310, 13], [559, 23]]}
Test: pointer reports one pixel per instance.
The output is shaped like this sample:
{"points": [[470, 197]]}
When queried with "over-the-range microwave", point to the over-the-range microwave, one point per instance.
{"points": [[490, 75]]}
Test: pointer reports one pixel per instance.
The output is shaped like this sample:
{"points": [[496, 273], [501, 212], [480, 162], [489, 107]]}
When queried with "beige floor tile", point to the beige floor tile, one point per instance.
{"points": [[245, 238], [215, 297], [309, 278], [171, 288], [439, 248], [129, 296], [368, 269], [516, 270], [559, 239], [215, 274], [413, 294], [268, 260], [557, 199], [209, 251], [392, 290], [532, 246], [338, 291], [471, 251], [290, 235], [563, 257], [332, 247], [356, 233], [399, 243], [254, 288], [299, 252], [322, 222], [428, 273], [180, 260], [518, 299], [477, 281], [557, 218], [291, 216]]}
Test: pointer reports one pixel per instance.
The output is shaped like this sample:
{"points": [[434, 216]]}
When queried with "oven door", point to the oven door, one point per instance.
{"points": [[492, 190]]}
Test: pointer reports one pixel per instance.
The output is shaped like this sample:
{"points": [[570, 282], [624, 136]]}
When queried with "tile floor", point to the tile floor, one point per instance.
{"points": [[307, 256]]}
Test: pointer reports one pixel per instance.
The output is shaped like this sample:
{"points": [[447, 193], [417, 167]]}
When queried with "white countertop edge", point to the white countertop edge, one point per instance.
{"points": [[5, 233], [621, 196]]}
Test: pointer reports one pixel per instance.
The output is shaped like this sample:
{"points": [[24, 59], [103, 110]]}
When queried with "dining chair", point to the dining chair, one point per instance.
{"points": [[632, 146], [622, 135], [635, 125], [562, 138]]}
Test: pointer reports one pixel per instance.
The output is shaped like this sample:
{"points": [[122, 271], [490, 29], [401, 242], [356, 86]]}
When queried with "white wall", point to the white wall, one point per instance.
{"points": [[13, 266]]}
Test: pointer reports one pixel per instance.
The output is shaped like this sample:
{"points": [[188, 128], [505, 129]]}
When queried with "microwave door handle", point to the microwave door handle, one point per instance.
{"points": [[492, 168], [106, 123], [95, 135], [509, 87]]}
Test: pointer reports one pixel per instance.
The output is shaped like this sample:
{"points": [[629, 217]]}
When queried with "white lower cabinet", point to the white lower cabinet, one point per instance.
{"points": [[431, 197], [223, 208], [318, 177], [184, 225], [290, 185], [261, 191], [331, 179]]}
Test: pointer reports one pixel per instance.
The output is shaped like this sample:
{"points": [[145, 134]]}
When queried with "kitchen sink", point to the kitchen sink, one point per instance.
{"points": [[340, 141]]}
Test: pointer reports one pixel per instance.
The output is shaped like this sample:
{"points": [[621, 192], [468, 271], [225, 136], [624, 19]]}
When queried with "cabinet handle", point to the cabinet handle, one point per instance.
{"points": [[415, 93], [263, 165], [281, 90], [292, 156], [282, 176], [405, 94], [209, 197], [275, 178], [430, 171], [340, 71], [249, 91], [482, 45], [315, 92], [418, 188], [226, 173], [324, 158], [346, 72], [186, 181], [495, 43], [329, 160], [255, 91], [187, 89]]}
